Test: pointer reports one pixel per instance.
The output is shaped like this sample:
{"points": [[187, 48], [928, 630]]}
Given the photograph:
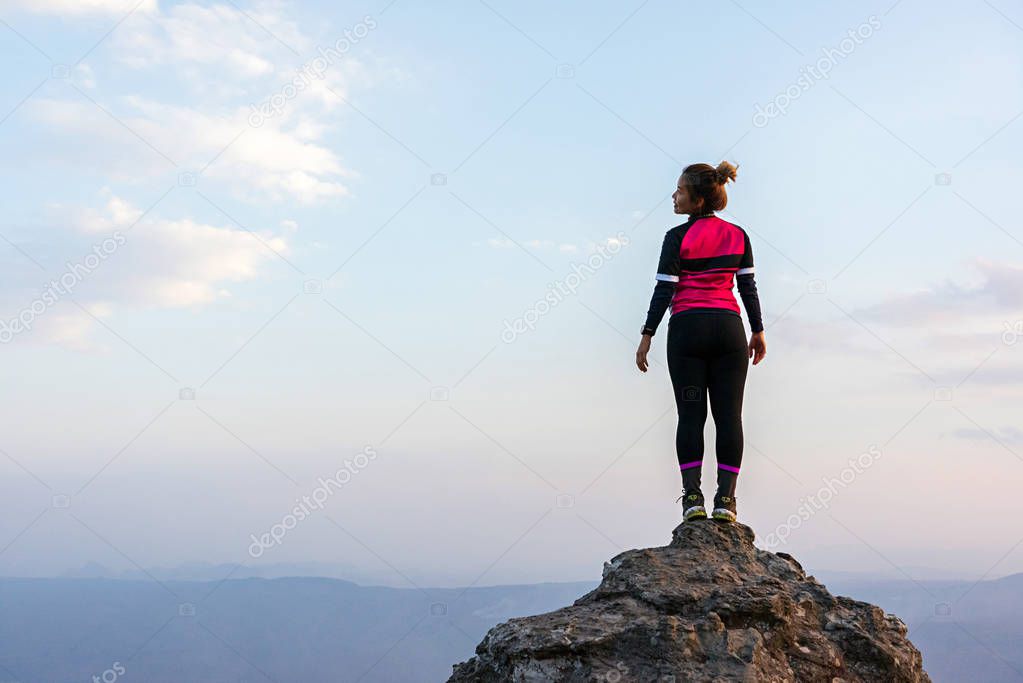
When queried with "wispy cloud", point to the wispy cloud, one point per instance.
{"points": [[551, 245], [248, 44], [73, 8], [115, 259], [174, 263], [213, 66], [995, 292], [1005, 435], [276, 161]]}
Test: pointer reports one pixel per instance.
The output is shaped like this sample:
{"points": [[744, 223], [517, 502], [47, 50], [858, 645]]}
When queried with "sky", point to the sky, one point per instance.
{"points": [[361, 283]]}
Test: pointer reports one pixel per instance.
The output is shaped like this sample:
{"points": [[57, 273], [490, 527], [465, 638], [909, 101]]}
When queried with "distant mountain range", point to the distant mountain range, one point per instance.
{"points": [[241, 630], [206, 571]]}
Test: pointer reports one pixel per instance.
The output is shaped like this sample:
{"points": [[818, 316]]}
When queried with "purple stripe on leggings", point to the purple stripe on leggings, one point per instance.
{"points": [[687, 465], [729, 468]]}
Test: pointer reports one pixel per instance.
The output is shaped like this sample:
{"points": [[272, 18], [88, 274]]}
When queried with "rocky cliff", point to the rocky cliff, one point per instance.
{"points": [[707, 607]]}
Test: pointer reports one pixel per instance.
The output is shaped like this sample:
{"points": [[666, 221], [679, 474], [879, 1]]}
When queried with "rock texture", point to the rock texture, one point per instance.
{"points": [[707, 607]]}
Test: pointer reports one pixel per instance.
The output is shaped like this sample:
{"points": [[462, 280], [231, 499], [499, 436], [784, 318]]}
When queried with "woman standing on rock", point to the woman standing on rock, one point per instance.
{"points": [[708, 354]]}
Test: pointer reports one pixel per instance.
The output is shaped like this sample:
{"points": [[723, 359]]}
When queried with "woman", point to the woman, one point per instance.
{"points": [[707, 350]]}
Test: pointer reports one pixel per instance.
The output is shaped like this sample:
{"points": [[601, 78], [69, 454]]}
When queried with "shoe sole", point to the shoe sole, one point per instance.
{"points": [[694, 513], [723, 514]]}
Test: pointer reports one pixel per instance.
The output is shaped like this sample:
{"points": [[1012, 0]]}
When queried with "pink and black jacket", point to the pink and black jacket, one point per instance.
{"points": [[701, 261]]}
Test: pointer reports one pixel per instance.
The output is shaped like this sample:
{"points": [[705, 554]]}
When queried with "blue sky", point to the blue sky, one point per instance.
{"points": [[339, 277]]}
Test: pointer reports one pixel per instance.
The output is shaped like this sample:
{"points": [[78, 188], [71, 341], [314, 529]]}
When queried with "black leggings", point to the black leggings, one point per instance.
{"points": [[707, 355]]}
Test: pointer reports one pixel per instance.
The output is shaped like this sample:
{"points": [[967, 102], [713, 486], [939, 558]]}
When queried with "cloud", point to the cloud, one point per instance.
{"points": [[83, 76], [175, 263], [943, 323], [247, 44], [118, 214], [505, 243], [272, 162], [183, 263], [72, 8], [539, 244], [995, 293], [998, 373], [1004, 435], [108, 266], [232, 66], [833, 335], [72, 328], [615, 242], [562, 247]]}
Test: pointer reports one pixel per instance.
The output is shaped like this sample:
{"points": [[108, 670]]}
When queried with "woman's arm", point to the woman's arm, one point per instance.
{"points": [[750, 300], [668, 268], [747, 285], [664, 290]]}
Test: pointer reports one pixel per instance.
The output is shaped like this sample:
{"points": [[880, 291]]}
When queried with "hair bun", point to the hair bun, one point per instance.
{"points": [[726, 171]]}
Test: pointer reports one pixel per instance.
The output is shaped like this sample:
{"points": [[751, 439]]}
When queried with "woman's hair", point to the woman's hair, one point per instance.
{"points": [[706, 182]]}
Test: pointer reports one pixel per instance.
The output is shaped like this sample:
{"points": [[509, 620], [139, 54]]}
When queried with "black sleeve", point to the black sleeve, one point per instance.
{"points": [[668, 268], [744, 280]]}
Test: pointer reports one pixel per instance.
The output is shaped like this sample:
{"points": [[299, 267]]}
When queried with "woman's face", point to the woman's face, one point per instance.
{"points": [[684, 203]]}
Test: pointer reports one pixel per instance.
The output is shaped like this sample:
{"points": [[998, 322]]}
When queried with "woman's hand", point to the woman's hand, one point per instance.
{"points": [[757, 347], [644, 347]]}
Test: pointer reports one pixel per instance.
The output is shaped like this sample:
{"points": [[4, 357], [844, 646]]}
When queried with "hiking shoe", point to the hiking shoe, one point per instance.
{"points": [[692, 506], [724, 508]]}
